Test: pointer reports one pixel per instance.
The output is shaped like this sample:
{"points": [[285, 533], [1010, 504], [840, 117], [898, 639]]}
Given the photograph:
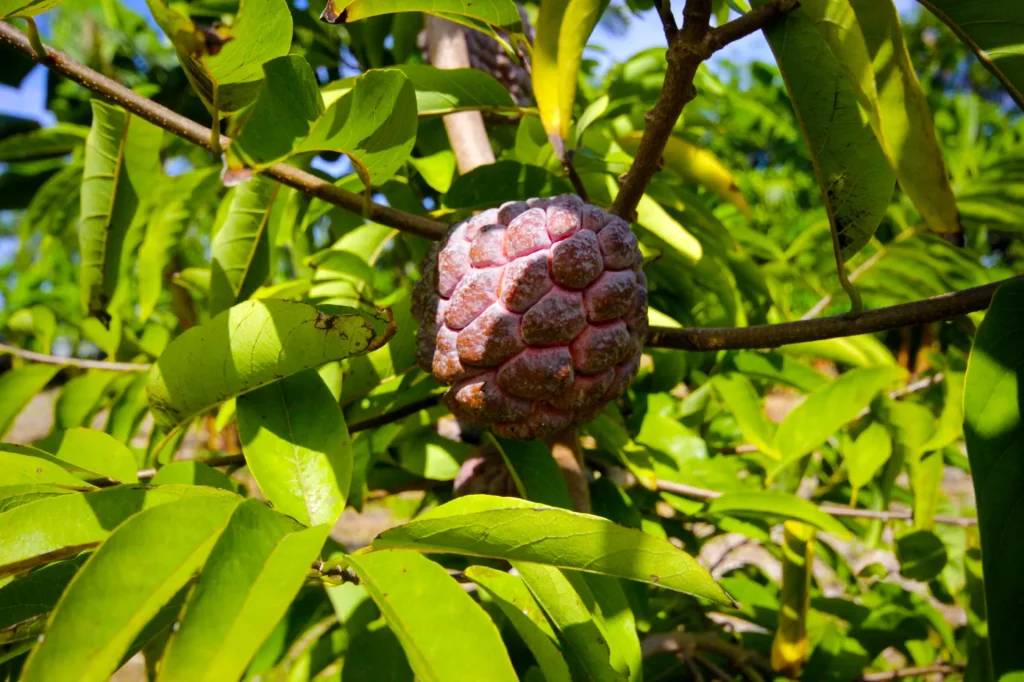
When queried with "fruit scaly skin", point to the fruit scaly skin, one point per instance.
{"points": [[534, 313]]}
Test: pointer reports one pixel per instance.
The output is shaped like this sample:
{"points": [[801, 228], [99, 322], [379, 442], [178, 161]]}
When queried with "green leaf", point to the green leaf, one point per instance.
{"points": [[922, 555], [10, 9], [99, 453], [251, 345], [240, 253], [238, 602], [775, 368], [61, 139], [867, 41], [437, 169], [762, 502], [866, 454], [57, 202], [21, 465], [606, 601], [445, 634], [226, 68], [36, 593], [297, 446], [128, 411], [830, 408], [122, 164], [445, 91], [374, 125], [501, 14], [39, 321], [105, 606], [854, 351], [584, 641], [164, 234], [739, 395], [494, 183], [81, 398], [18, 387], [518, 530], [990, 29], [853, 173], [950, 426], [563, 28], [57, 527], [926, 471], [190, 472], [512, 596], [534, 470], [995, 445], [376, 655]]}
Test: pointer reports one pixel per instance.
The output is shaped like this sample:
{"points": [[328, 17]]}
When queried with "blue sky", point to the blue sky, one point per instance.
{"points": [[644, 32]]}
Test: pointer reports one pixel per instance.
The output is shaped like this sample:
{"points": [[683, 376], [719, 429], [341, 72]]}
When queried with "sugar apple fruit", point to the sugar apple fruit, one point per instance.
{"points": [[534, 313]]}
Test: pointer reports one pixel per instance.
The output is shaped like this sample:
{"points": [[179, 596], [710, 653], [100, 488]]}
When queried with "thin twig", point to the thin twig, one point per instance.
{"points": [[754, 20], [568, 454], [72, 362], [719, 674], [903, 673], [689, 644], [574, 177], [200, 135], [668, 20], [934, 309], [704, 494]]}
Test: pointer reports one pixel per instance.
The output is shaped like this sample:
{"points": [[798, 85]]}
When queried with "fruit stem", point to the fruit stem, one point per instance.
{"points": [[568, 453]]}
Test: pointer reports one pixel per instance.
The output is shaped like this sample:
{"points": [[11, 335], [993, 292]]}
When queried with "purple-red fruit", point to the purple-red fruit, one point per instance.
{"points": [[535, 313]]}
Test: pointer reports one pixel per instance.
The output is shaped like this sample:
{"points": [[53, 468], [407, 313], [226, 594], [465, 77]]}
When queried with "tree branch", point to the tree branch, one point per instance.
{"points": [[935, 309], [754, 20], [704, 495], [668, 20], [903, 673], [72, 362], [200, 135]]}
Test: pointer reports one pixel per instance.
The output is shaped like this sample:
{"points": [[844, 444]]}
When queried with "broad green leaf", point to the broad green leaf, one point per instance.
{"points": [[606, 601], [122, 164], [534, 470], [830, 408], [853, 173], [39, 321], [854, 351], [445, 634], [164, 234], [253, 573], [81, 398], [297, 446], [518, 530], [585, 645], [656, 220], [241, 252], [563, 28], [512, 596], [36, 593], [105, 606], [926, 472], [10, 9], [18, 387], [991, 29], [995, 445], [128, 411], [21, 465], [775, 368], [99, 453], [445, 91], [494, 183], [922, 555], [376, 655], [497, 13], [432, 456], [251, 345], [12, 496], [289, 118], [867, 40], [950, 426], [775, 503], [58, 140], [225, 65], [866, 454], [739, 395], [437, 169], [191, 472], [56, 203], [58, 527]]}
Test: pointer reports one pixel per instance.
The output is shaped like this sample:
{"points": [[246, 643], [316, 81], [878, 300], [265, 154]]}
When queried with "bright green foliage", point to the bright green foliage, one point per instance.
{"points": [[121, 164], [502, 528], [295, 441], [233, 466], [464, 646], [993, 430]]}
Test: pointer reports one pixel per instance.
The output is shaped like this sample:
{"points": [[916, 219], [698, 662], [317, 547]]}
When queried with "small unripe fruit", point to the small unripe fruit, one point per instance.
{"points": [[534, 313]]}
